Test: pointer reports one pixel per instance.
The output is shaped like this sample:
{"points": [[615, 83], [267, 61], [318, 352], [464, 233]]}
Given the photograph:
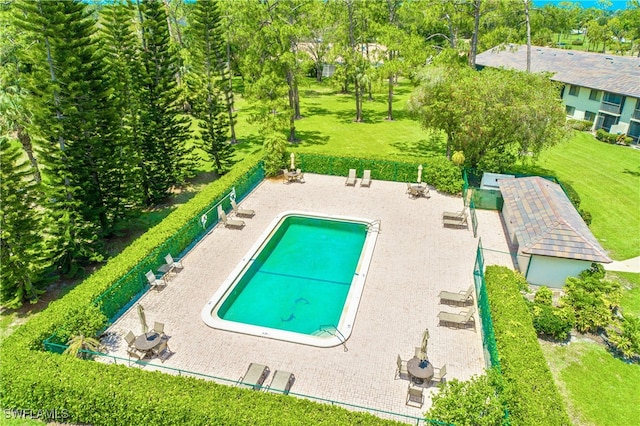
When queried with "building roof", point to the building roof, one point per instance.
{"points": [[611, 73], [546, 223]]}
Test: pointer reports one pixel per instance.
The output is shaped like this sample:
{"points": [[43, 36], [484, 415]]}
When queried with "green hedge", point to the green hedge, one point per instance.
{"points": [[529, 390], [109, 394], [437, 171]]}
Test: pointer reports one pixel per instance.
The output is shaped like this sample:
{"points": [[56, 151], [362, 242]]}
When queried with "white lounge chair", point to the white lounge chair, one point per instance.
{"points": [[462, 319], [462, 297], [351, 179], [254, 377], [229, 223], [366, 178], [241, 212], [173, 263], [281, 382], [153, 281]]}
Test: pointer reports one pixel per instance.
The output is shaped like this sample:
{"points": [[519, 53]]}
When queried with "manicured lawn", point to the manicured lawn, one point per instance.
{"points": [[607, 178], [327, 125], [599, 388]]}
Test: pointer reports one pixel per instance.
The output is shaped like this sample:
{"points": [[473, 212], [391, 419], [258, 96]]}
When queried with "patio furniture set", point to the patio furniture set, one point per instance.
{"points": [[170, 266], [153, 342], [257, 374], [293, 175]]}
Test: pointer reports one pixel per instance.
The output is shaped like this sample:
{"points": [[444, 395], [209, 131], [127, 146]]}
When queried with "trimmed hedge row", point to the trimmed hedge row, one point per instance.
{"points": [[437, 171], [529, 389], [109, 394]]}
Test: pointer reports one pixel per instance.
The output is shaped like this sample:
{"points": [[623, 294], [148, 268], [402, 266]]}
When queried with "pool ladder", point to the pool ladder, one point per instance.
{"points": [[374, 226], [333, 330]]}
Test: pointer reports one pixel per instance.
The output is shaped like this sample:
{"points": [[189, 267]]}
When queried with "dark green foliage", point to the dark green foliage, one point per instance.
{"points": [[474, 402], [208, 83], [580, 125], [23, 253], [275, 155], [577, 42], [530, 394], [543, 296], [437, 171], [551, 321], [164, 130], [604, 136], [592, 299], [624, 337]]}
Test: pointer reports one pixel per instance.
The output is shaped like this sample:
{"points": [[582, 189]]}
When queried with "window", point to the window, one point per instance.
{"points": [[594, 95], [574, 90], [570, 109], [589, 116], [612, 98]]}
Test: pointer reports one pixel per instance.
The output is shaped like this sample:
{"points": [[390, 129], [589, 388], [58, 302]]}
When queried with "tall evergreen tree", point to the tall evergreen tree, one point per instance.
{"points": [[23, 254], [209, 82], [74, 118], [164, 130], [123, 69]]}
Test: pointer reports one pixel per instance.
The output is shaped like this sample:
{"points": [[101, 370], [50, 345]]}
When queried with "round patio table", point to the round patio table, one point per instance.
{"points": [[147, 341], [419, 374]]}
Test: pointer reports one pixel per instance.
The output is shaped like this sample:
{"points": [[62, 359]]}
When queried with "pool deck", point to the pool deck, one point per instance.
{"points": [[414, 259]]}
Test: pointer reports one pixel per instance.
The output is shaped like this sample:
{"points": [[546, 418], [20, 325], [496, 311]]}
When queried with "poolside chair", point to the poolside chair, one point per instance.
{"points": [[461, 319], [229, 223], [130, 338], [281, 382], [158, 327], [241, 212], [462, 297], [351, 179], [153, 280], [285, 176], [402, 368], [254, 377], [438, 375], [415, 395], [163, 347], [366, 178], [299, 175], [460, 222], [173, 263], [455, 215]]}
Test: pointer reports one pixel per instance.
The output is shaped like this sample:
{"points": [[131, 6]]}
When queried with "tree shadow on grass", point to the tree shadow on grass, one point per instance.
{"points": [[311, 137], [434, 144]]}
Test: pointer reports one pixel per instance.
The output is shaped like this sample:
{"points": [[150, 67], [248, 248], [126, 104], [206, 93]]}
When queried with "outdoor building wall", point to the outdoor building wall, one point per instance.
{"points": [[523, 262], [553, 271], [581, 103], [508, 222]]}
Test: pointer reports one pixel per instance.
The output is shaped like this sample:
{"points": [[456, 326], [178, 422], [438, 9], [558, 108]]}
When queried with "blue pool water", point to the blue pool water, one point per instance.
{"points": [[300, 278]]}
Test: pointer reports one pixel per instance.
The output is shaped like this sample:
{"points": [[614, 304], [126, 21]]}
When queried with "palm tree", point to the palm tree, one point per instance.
{"points": [[80, 343]]}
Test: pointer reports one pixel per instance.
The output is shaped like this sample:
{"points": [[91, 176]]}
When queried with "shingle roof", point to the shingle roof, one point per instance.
{"points": [[546, 223], [611, 73]]}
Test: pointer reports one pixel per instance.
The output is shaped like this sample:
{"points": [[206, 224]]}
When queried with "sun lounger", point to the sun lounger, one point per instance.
{"points": [[254, 377], [241, 212], [281, 382], [460, 297], [455, 223], [461, 319], [455, 215], [351, 179], [229, 223], [366, 178]]}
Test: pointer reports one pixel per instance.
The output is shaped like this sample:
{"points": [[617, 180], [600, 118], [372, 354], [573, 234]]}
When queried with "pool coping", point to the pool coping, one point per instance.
{"points": [[349, 310]]}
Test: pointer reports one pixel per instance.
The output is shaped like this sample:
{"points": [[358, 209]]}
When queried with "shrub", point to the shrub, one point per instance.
{"points": [[604, 136], [543, 296], [529, 392], [579, 125], [592, 299], [556, 323], [586, 216], [469, 403], [577, 42], [625, 337]]}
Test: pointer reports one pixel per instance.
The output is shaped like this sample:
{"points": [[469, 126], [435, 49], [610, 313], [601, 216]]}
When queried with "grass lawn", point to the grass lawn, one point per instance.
{"points": [[599, 388], [607, 178], [327, 125], [630, 302]]}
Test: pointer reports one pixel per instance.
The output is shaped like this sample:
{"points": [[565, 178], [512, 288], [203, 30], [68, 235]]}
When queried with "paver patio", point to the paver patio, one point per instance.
{"points": [[414, 259]]}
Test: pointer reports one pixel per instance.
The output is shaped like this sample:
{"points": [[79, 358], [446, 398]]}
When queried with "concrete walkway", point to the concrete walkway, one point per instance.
{"points": [[629, 265]]}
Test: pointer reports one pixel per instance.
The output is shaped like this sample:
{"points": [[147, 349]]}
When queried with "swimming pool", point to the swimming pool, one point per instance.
{"points": [[301, 281]]}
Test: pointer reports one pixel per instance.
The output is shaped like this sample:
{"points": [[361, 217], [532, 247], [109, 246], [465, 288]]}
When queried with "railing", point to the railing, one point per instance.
{"points": [[326, 329], [406, 418], [609, 107]]}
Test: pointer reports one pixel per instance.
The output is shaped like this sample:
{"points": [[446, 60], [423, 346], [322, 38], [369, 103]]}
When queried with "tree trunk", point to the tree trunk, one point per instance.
{"points": [[25, 140], [319, 67], [228, 98], [474, 36], [390, 100], [526, 14], [358, 104], [296, 101]]}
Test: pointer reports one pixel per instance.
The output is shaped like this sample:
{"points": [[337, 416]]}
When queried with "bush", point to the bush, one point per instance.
{"points": [[543, 296], [580, 125], [469, 403], [625, 337], [529, 392], [586, 216], [556, 323], [577, 42], [604, 136], [592, 299]]}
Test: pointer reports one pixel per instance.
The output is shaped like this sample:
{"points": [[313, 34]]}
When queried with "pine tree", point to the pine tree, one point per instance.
{"points": [[74, 117], [163, 130], [209, 83], [22, 245]]}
